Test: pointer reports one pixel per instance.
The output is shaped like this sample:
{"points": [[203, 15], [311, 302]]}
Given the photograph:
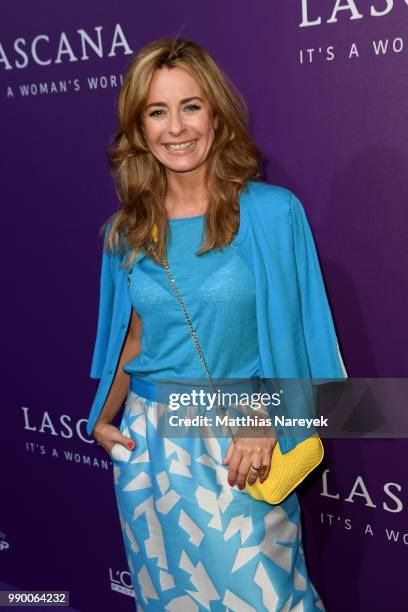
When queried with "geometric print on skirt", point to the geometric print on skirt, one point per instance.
{"points": [[192, 542]]}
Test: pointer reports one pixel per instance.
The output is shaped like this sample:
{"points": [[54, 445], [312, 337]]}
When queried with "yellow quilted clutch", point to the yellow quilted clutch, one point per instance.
{"points": [[288, 470]]}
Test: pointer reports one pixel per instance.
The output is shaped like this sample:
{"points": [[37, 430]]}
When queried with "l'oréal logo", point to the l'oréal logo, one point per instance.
{"points": [[346, 9], [44, 50]]}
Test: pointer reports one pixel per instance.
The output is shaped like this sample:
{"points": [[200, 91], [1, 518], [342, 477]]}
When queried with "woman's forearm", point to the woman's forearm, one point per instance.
{"points": [[120, 385]]}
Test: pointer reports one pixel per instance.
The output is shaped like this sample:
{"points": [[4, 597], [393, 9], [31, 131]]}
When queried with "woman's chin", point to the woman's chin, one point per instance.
{"points": [[186, 166]]}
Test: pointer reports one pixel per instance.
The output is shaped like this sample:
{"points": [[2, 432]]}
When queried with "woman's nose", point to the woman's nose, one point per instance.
{"points": [[176, 125]]}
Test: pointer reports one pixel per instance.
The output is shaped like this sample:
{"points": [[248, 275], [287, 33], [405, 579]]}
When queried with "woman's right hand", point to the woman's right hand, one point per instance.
{"points": [[107, 435]]}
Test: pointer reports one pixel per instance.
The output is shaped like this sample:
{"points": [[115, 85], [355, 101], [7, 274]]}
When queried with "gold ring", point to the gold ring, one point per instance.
{"points": [[261, 470]]}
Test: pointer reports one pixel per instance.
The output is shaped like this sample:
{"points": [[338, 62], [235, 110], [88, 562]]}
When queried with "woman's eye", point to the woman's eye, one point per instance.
{"points": [[193, 107], [189, 108], [155, 113]]}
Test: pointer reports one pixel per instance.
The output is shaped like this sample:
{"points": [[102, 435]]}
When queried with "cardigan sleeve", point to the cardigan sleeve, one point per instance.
{"points": [[324, 357], [106, 295]]}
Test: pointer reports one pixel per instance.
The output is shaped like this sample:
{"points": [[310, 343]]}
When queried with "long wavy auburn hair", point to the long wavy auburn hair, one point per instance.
{"points": [[140, 179]]}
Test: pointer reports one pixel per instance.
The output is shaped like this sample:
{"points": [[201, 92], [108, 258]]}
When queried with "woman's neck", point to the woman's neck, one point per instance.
{"points": [[187, 193]]}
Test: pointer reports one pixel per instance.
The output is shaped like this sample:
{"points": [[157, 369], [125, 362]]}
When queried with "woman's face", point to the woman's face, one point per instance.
{"points": [[177, 120]]}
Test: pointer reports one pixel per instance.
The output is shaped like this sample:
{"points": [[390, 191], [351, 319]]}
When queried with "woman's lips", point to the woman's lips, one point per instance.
{"points": [[180, 147]]}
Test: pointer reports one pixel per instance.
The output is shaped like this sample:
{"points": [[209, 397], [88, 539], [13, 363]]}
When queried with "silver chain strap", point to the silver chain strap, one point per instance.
{"points": [[193, 334]]}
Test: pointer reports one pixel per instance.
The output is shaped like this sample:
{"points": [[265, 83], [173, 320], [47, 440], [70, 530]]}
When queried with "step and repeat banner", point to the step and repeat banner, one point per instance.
{"points": [[325, 84]]}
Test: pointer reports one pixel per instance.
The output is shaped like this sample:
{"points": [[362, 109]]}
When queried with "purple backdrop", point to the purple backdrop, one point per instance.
{"points": [[327, 98]]}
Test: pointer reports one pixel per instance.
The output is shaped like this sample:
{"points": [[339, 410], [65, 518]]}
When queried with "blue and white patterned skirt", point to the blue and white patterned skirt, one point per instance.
{"points": [[194, 543]]}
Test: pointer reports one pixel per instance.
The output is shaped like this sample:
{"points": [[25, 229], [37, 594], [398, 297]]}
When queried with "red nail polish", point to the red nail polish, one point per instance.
{"points": [[231, 483], [131, 445], [240, 487]]}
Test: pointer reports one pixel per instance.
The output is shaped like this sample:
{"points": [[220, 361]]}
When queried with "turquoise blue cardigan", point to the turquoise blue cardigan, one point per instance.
{"points": [[297, 338]]}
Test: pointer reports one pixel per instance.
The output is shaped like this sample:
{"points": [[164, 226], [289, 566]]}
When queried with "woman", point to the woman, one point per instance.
{"points": [[241, 251]]}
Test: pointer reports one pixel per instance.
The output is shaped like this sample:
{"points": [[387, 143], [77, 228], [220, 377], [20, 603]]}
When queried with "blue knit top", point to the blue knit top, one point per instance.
{"points": [[218, 289]]}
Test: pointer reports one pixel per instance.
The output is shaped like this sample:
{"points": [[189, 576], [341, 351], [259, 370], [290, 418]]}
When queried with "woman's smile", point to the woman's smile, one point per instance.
{"points": [[180, 148]]}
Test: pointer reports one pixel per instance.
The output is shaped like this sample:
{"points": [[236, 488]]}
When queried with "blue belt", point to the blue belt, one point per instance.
{"points": [[145, 388], [156, 391]]}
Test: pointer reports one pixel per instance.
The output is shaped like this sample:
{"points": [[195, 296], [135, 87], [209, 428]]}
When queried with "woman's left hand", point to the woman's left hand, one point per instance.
{"points": [[253, 446]]}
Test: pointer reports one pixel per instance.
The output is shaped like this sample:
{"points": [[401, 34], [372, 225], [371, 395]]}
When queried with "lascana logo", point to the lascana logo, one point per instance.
{"points": [[4, 545], [359, 492], [62, 426], [45, 51], [349, 9]]}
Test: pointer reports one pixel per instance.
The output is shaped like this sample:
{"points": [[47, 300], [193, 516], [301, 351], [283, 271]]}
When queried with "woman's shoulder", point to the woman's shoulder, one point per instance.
{"points": [[267, 200], [270, 206]]}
